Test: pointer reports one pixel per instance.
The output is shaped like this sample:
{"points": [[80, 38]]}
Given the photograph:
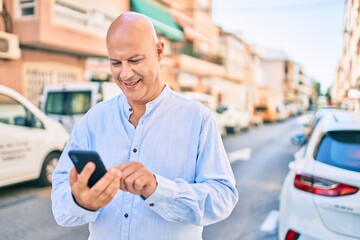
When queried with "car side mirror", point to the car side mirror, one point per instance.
{"points": [[299, 139], [221, 109]]}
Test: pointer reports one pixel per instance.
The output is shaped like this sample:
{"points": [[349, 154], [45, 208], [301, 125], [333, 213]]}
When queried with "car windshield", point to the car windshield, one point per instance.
{"points": [[340, 149], [68, 103]]}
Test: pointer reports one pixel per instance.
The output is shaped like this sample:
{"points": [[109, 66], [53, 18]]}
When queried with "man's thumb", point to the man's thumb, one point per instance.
{"points": [[73, 176]]}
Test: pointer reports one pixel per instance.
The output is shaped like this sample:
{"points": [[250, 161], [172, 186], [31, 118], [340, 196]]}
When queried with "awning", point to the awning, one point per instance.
{"points": [[160, 17]]}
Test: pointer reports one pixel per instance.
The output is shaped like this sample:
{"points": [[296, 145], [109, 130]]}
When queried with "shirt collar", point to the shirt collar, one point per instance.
{"points": [[154, 103], [150, 105]]}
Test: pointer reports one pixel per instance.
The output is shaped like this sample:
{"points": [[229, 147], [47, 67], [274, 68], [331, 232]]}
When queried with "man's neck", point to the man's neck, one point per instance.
{"points": [[137, 112]]}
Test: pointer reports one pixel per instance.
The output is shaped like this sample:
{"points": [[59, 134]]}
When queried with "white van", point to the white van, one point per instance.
{"points": [[30, 142], [68, 102]]}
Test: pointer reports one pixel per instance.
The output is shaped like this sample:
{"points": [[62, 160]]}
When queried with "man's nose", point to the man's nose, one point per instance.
{"points": [[126, 72]]}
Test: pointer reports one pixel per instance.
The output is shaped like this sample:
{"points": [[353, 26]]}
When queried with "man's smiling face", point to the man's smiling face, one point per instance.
{"points": [[135, 55]]}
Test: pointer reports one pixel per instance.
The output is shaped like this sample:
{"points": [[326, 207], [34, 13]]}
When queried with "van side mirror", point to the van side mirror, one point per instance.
{"points": [[20, 121]]}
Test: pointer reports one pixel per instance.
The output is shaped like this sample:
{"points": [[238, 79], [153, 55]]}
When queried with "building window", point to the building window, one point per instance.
{"points": [[27, 8]]}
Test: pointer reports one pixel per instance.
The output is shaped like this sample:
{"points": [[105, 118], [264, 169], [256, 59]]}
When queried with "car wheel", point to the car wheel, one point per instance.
{"points": [[48, 167]]}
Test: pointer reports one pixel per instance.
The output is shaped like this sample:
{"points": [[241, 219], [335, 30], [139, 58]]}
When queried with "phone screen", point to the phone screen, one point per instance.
{"points": [[80, 158]]}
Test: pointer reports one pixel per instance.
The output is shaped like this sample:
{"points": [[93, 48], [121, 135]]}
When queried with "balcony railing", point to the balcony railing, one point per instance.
{"points": [[82, 17], [217, 59]]}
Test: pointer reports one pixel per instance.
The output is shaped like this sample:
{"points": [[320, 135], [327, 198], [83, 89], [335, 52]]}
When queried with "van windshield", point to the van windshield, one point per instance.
{"points": [[68, 103]]}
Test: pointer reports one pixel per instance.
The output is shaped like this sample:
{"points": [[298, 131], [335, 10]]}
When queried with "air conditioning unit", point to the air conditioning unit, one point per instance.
{"points": [[9, 46]]}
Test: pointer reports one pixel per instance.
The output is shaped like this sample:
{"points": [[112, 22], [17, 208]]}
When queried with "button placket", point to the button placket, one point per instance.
{"points": [[136, 143], [126, 211]]}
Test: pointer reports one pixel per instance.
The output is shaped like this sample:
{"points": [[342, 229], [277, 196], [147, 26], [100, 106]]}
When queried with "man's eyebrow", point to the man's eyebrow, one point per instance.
{"points": [[136, 55], [113, 60], [131, 57]]}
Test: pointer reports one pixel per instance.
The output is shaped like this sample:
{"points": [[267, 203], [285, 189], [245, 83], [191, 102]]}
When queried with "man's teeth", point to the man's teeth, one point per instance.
{"points": [[131, 84]]}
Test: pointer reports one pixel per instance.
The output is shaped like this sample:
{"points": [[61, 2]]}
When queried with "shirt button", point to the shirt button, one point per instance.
{"points": [[134, 150], [151, 204], [126, 215], [130, 109]]}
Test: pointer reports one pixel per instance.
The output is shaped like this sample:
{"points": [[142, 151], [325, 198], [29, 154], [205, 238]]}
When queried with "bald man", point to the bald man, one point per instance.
{"points": [[168, 173]]}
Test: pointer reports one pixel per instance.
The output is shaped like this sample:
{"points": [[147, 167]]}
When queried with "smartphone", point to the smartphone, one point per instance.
{"points": [[80, 158]]}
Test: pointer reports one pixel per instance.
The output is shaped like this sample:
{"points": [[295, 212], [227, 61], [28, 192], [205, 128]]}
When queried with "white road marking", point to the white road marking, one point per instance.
{"points": [[271, 221], [240, 155]]}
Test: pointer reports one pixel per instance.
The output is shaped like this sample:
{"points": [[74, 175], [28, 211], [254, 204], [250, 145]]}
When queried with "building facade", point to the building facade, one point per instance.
{"points": [[56, 41], [346, 89]]}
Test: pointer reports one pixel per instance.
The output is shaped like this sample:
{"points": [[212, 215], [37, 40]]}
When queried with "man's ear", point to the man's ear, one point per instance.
{"points": [[160, 50]]}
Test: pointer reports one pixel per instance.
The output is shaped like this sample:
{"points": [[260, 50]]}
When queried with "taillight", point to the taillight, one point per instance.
{"points": [[292, 235], [321, 186]]}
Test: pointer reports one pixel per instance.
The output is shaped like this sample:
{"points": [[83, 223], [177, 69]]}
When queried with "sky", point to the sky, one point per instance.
{"points": [[309, 32]]}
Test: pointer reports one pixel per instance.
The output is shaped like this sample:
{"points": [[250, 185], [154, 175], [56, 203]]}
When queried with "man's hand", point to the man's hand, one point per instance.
{"points": [[100, 194], [137, 179]]}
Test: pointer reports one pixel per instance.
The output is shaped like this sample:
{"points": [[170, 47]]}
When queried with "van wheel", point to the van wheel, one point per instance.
{"points": [[48, 168]]}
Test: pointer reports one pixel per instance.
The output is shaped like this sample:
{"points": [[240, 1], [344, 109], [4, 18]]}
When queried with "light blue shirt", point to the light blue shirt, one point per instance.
{"points": [[178, 140]]}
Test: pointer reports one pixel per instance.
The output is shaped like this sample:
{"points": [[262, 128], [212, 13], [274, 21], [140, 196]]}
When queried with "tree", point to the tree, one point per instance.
{"points": [[328, 96], [316, 87]]}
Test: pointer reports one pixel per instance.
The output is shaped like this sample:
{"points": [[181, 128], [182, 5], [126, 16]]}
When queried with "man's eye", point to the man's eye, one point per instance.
{"points": [[115, 63], [135, 60]]}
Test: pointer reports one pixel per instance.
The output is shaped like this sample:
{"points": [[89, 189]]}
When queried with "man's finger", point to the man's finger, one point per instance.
{"points": [[111, 190], [130, 181], [123, 166], [112, 176], [73, 176]]}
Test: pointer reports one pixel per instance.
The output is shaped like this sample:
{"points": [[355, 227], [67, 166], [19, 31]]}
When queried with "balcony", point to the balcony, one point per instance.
{"points": [[198, 66], [188, 50]]}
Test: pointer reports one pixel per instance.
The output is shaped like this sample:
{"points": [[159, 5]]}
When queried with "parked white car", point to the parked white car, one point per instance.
{"points": [[235, 119], [30, 142], [320, 197], [210, 102]]}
